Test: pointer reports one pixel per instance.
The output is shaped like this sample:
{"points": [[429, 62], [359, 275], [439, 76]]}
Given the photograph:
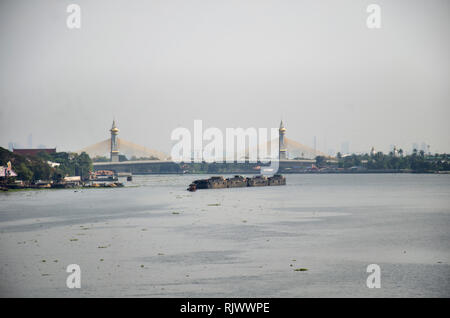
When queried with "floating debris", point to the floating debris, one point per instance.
{"points": [[300, 270]]}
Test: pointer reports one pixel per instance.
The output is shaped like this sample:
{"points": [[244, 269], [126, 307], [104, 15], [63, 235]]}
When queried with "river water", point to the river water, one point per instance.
{"points": [[155, 239]]}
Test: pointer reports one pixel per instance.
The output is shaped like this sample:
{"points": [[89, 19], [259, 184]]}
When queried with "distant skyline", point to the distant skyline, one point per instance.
{"points": [[158, 65]]}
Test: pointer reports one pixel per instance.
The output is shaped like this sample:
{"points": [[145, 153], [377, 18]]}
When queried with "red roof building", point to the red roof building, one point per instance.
{"points": [[34, 151]]}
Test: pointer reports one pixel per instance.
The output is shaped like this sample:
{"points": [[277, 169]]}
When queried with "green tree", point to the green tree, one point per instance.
{"points": [[320, 161], [23, 172], [83, 165]]}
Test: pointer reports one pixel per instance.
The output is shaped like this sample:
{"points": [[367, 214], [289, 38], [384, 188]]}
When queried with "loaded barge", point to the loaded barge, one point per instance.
{"points": [[237, 182]]}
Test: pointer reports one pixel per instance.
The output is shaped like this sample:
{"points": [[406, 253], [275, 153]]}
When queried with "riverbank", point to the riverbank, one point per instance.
{"points": [[15, 187]]}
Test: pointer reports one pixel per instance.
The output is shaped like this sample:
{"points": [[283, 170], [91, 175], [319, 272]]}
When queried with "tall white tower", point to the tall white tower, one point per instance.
{"points": [[114, 144], [282, 147]]}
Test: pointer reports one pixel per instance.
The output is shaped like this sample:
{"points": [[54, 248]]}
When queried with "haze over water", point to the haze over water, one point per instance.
{"points": [[155, 239]]}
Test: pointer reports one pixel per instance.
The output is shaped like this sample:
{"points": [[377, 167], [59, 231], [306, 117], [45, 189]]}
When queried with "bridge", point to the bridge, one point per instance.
{"points": [[127, 148], [170, 167], [293, 149], [161, 163]]}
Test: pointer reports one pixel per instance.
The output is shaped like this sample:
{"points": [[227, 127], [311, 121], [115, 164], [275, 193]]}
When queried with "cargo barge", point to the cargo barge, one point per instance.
{"points": [[236, 182]]}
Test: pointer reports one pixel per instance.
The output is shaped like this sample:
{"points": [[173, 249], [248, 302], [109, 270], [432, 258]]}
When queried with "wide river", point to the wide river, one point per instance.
{"points": [[155, 239]]}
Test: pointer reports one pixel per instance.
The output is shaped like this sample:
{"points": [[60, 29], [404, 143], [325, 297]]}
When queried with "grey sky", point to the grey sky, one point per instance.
{"points": [[156, 65]]}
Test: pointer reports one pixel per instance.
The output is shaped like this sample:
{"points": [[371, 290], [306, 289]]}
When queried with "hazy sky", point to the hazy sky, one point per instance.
{"points": [[157, 65]]}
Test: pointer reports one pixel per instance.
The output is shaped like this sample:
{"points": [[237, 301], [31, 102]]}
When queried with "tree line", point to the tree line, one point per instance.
{"points": [[34, 168], [418, 161]]}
